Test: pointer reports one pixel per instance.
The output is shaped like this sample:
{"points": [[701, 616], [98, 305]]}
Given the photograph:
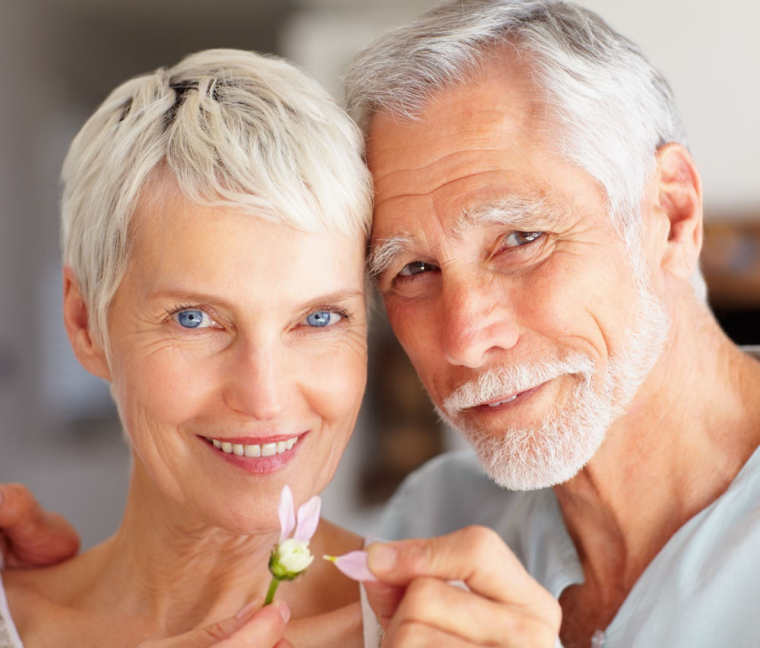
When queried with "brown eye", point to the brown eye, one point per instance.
{"points": [[518, 239], [415, 268]]}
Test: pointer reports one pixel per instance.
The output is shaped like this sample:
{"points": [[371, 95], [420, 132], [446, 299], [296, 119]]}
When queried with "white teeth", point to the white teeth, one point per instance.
{"points": [[254, 449], [509, 400]]}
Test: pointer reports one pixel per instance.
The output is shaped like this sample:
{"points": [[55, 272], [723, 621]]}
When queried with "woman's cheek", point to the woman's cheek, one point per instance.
{"points": [[164, 388]]}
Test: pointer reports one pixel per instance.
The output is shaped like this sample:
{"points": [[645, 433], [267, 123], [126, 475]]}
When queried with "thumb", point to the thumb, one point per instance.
{"points": [[30, 535], [249, 627]]}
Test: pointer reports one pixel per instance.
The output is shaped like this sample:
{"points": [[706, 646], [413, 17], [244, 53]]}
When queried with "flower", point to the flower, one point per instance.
{"points": [[291, 555], [289, 559], [353, 565]]}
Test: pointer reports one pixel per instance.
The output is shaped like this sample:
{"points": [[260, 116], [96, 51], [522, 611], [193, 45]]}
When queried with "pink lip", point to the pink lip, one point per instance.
{"points": [[257, 465], [254, 440], [520, 397]]}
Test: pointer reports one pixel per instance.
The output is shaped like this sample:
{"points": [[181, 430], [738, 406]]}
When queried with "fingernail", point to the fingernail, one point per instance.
{"points": [[382, 557], [282, 606], [246, 610]]}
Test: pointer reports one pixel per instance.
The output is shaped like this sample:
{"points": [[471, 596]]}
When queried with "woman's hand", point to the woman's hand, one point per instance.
{"points": [[29, 535], [263, 628], [418, 606]]}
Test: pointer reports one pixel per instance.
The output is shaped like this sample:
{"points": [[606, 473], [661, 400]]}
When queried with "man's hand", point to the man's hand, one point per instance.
{"points": [[418, 606], [30, 536], [263, 628]]}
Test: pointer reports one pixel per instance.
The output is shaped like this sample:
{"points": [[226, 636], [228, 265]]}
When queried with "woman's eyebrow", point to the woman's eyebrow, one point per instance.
{"points": [[335, 297], [200, 297]]}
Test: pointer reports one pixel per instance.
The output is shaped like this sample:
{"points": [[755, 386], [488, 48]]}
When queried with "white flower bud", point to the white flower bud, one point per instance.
{"points": [[290, 558]]}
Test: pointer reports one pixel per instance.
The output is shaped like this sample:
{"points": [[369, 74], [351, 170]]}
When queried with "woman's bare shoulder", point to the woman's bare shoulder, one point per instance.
{"points": [[48, 597], [31, 597]]}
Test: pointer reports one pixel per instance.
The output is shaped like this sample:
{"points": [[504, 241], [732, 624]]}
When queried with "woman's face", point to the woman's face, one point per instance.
{"points": [[238, 357]]}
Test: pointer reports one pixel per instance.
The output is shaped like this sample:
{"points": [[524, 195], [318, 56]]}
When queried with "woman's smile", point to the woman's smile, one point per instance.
{"points": [[253, 455]]}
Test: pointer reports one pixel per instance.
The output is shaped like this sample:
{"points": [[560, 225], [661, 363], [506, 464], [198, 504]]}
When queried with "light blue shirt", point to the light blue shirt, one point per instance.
{"points": [[701, 590]]}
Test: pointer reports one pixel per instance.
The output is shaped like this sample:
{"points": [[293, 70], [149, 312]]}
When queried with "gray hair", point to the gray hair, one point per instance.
{"points": [[235, 129], [613, 109]]}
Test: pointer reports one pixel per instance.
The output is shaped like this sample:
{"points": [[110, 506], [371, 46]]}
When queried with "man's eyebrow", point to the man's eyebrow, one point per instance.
{"points": [[520, 212], [384, 251]]}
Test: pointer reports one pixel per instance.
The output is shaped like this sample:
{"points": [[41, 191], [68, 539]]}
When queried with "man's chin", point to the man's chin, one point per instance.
{"points": [[517, 462]]}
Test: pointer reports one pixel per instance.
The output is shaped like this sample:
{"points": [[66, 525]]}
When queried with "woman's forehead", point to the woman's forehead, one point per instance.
{"points": [[178, 244]]}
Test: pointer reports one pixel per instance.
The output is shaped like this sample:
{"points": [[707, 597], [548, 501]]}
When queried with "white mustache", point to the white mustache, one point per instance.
{"points": [[513, 379]]}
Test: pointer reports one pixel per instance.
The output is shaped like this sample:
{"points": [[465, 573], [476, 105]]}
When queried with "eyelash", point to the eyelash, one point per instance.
{"points": [[536, 236], [170, 314], [344, 315]]}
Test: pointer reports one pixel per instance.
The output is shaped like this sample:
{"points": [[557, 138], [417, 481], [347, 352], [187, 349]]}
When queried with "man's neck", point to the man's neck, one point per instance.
{"points": [[691, 427]]}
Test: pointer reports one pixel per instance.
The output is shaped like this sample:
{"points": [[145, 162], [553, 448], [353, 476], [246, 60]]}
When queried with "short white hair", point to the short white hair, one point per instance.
{"points": [[613, 109], [235, 129]]}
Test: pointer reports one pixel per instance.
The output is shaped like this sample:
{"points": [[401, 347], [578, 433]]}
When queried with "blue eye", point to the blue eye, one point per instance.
{"points": [[322, 318], [192, 318]]}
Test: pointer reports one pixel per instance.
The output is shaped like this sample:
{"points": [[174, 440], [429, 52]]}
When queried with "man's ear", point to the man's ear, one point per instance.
{"points": [[679, 201], [76, 320]]}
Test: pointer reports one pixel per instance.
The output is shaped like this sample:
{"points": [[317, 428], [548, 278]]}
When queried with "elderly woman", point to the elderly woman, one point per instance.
{"points": [[214, 225]]}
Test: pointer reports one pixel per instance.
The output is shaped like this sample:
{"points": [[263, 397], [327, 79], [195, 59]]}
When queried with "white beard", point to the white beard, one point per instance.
{"points": [[527, 458]]}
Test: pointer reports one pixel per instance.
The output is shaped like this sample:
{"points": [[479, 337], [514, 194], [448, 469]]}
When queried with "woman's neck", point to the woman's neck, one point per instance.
{"points": [[177, 570]]}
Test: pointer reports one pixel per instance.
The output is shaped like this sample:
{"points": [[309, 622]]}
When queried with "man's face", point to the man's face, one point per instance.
{"points": [[505, 280]]}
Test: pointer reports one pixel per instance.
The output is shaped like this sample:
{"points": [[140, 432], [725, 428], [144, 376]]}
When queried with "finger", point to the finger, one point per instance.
{"points": [[475, 555], [457, 612], [250, 627], [384, 599], [32, 535], [414, 635], [264, 628]]}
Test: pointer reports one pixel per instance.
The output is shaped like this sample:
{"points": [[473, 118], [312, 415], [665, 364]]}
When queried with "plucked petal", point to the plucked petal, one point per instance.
{"points": [[286, 513], [354, 565], [308, 519]]}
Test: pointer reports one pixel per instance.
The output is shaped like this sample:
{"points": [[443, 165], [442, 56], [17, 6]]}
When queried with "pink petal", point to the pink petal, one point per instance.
{"points": [[286, 513], [354, 565], [308, 519]]}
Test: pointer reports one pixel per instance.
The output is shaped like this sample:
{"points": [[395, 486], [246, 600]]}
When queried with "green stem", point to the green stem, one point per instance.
{"points": [[272, 589]]}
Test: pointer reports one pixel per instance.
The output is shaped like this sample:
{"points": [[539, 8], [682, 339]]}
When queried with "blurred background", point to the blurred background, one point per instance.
{"points": [[59, 58]]}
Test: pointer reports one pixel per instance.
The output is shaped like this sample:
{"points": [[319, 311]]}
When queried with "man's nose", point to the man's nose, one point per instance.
{"points": [[255, 381], [478, 318]]}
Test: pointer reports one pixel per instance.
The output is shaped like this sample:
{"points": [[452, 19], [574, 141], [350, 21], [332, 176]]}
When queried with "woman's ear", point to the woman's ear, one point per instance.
{"points": [[76, 320], [679, 201]]}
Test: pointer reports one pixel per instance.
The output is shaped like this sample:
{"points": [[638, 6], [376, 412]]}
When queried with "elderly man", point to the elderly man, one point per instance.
{"points": [[538, 224]]}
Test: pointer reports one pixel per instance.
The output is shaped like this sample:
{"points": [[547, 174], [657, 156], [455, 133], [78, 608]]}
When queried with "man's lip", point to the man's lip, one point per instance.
{"points": [[506, 400]]}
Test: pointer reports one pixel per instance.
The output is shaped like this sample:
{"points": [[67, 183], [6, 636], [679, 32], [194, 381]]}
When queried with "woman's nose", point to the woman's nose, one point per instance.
{"points": [[477, 317], [255, 382]]}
